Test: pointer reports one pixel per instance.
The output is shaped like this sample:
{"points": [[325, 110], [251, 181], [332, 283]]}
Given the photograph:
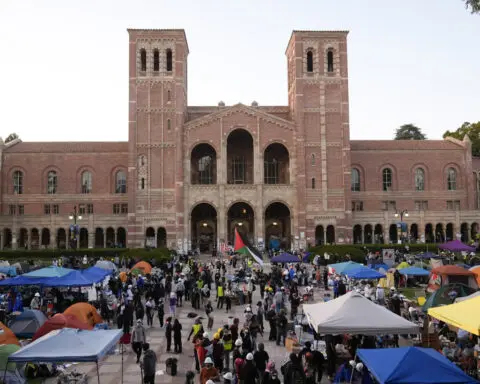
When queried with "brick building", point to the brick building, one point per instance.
{"points": [[189, 175]]}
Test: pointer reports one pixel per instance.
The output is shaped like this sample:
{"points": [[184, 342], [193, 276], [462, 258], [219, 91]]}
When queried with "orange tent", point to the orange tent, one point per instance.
{"points": [[476, 271], [7, 336], [143, 266], [451, 274], [85, 313], [60, 321], [123, 276]]}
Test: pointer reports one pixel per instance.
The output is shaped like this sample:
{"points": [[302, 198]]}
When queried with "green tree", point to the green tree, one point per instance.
{"points": [[473, 5], [473, 132], [11, 137], [409, 132]]}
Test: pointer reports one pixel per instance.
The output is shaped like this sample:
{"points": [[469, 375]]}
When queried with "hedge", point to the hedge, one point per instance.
{"points": [[357, 251], [159, 254]]}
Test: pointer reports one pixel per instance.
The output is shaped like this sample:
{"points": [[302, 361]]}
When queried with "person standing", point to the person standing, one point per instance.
{"points": [[161, 311], [228, 298], [208, 312], [36, 302], [168, 332], [149, 364], [138, 339], [173, 303], [220, 296], [149, 305], [177, 336]]}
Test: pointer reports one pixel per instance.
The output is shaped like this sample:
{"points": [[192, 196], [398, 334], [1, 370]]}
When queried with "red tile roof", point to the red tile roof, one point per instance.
{"points": [[68, 147]]}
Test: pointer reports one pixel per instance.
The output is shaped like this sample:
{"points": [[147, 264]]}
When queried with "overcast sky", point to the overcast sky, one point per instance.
{"points": [[64, 63]]}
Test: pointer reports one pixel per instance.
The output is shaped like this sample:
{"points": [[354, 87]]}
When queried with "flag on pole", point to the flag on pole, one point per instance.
{"points": [[241, 246]]}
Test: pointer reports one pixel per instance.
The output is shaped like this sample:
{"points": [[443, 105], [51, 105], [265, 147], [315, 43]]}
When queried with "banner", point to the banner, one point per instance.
{"points": [[388, 257]]}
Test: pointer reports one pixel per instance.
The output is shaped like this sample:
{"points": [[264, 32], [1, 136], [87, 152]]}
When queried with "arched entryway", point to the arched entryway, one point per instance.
{"points": [[368, 237], [35, 239], [45, 237], [110, 237], [319, 235], [276, 164], [83, 238], [61, 238], [393, 234], [429, 235], [121, 237], [203, 164], [450, 232], [99, 238], [277, 226], [357, 234], [378, 234], [240, 157], [161, 237], [413, 233], [7, 238], [464, 232], [330, 234], [23, 238], [474, 231], [241, 216], [150, 240], [204, 227], [439, 234]]}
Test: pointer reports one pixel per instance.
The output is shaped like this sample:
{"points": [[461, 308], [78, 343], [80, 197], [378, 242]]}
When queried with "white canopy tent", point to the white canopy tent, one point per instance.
{"points": [[352, 313]]}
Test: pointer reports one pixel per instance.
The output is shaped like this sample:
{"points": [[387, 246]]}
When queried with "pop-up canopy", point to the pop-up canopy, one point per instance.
{"points": [[464, 315]]}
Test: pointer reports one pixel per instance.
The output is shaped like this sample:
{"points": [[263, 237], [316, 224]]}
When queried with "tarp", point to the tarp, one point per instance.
{"points": [[414, 271], [85, 313], [364, 273], [60, 321], [342, 268], [51, 271], [9, 271], [27, 323], [106, 264], [285, 258], [21, 280], [74, 279], [96, 274], [456, 246], [378, 266], [408, 365], [464, 315], [354, 314], [69, 345]]}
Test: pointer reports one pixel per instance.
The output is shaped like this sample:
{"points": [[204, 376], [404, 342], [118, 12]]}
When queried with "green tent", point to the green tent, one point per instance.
{"points": [[443, 295], [5, 351]]}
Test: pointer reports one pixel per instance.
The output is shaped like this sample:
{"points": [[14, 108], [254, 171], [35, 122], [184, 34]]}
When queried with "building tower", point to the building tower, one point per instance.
{"points": [[157, 110], [318, 101]]}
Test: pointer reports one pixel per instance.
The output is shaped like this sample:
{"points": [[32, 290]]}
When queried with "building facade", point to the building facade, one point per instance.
{"points": [[189, 175]]}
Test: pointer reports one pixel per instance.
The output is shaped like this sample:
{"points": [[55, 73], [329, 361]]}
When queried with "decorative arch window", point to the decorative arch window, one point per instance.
{"points": [[156, 60], [169, 60], [169, 124], [52, 182], [330, 61], [18, 183], [387, 179], [120, 182], [169, 96], [313, 183], [312, 159], [355, 180], [452, 179], [86, 182], [142, 183], [419, 179], [309, 61], [143, 60]]}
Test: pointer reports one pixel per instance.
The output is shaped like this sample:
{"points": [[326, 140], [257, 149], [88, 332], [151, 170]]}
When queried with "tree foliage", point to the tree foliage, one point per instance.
{"points": [[409, 132], [473, 132], [473, 5], [11, 137]]}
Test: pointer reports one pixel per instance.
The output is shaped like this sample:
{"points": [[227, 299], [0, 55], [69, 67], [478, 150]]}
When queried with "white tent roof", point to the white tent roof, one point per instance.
{"points": [[354, 314]]}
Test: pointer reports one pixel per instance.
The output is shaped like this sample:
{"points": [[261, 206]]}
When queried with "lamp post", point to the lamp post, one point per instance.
{"points": [[400, 214], [74, 229]]}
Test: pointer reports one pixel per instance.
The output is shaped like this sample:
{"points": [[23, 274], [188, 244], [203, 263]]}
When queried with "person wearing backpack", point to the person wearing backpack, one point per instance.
{"points": [[293, 372]]}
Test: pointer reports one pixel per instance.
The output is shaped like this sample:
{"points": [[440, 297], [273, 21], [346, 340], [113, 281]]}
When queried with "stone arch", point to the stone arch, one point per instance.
{"points": [[276, 164], [277, 226], [34, 238], [203, 219], [113, 176], [83, 238], [378, 234], [413, 233], [161, 237], [357, 234], [61, 238], [241, 215], [368, 234], [393, 234], [426, 173], [429, 233], [45, 240], [394, 176], [121, 237], [464, 232], [450, 232], [240, 157], [7, 238], [473, 231], [203, 164], [458, 175], [319, 235], [109, 237], [99, 238], [330, 234], [439, 233], [150, 237]]}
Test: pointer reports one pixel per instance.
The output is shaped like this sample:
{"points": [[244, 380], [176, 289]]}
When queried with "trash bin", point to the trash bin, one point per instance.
{"points": [[171, 364]]}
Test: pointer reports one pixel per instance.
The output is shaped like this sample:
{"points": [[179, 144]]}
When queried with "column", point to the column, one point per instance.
{"points": [[91, 239], [1, 241], [104, 238], [53, 242], [116, 236], [324, 235]]}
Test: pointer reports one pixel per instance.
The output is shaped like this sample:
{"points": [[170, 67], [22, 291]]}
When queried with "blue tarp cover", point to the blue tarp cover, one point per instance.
{"points": [[379, 266], [96, 274], [414, 271], [285, 258], [51, 271], [73, 279], [411, 365], [21, 280], [69, 345], [428, 255], [342, 268], [9, 271], [364, 273]]}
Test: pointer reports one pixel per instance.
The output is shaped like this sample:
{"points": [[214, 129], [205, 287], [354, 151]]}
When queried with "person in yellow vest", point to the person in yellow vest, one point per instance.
{"points": [[249, 263], [197, 330], [227, 346], [220, 296], [200, 283]]}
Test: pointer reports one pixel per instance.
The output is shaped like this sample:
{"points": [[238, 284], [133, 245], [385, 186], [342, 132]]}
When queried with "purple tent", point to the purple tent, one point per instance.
{"points": [[456, 246]]}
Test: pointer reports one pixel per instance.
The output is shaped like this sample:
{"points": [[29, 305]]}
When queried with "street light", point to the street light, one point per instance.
{"points": [[400, 232], [401, 214], [74, 227]]}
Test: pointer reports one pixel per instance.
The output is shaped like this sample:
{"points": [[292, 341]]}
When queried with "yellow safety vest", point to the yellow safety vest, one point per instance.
{"points": [[227, 345], [200, 284], [196, 329], [220, 291]]}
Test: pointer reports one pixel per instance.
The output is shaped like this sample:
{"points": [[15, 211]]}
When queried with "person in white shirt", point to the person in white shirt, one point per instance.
{"points": [[380, 295], [368, 292]]}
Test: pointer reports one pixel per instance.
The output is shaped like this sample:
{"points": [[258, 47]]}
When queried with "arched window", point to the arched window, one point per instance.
{"points": [[313, 183], [156, 60], [142, 183], [329, 61], [18, 182], [355, 180], [120, 182], [452, 179], [52, 182], [419, 179], [169, 60], [169, 96], [86, 182], [313, 159], [309, 61], [143, 60], [387, 179], [169, 124]]}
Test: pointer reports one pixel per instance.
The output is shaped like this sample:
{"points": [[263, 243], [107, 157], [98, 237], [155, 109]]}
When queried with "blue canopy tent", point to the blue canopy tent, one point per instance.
{"points": [[52, 271], [344, 267], [414, 271], [428, 255], [411, 365], [21, 280], [364, 273], [70, 345], [96, 274], [379, 266], [74, 279], [285, 258], [9, 271]]}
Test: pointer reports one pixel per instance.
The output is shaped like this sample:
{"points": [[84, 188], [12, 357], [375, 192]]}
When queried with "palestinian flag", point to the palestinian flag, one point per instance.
{"points": [[242, 246]]}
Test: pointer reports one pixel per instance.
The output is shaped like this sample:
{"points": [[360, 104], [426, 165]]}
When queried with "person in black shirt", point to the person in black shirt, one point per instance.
{"points": [[261, 358]]}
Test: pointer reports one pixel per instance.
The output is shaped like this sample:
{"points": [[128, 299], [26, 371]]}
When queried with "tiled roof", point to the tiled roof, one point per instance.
{"points": [[68, 147], [416, 145]]}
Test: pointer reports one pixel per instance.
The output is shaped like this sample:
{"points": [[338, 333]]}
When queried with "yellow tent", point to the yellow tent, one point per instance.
{"points": [[464, 315], [402, 265]]}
